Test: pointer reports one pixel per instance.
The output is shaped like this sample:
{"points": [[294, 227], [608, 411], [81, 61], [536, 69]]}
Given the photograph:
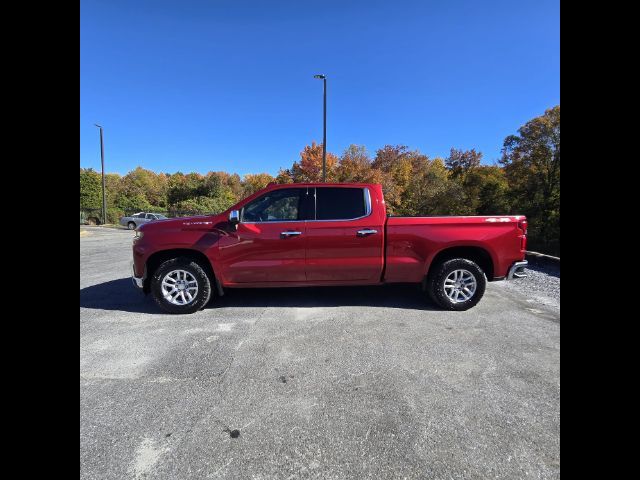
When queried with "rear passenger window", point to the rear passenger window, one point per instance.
{"points": [[339, 203]]}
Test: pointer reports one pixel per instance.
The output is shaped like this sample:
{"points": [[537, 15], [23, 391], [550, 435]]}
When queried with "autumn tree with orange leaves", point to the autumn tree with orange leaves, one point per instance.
{"points": [[309, 168]]}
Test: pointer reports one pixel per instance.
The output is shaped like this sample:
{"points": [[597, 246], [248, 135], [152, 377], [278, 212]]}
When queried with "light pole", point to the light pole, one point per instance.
{"points": [[324, 128], [104, 198]]}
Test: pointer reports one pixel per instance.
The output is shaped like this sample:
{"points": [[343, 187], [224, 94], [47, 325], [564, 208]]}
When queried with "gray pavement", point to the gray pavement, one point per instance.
{"points": [[331, 383]]}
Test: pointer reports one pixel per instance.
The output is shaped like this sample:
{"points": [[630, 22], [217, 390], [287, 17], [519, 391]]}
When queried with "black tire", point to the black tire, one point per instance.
{"points": [[202, 296], [131, 226], [436, 282]]}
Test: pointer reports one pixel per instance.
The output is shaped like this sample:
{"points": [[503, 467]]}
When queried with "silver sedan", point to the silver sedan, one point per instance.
{"points": [[138, 219]]}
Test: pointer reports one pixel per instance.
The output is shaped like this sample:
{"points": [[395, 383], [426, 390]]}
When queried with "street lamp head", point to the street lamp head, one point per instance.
{"points": [[99, 126], [319, 76]]}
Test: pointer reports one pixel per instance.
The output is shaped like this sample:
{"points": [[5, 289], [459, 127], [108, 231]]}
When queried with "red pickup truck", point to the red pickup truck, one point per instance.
{"points": [[295, 235]]}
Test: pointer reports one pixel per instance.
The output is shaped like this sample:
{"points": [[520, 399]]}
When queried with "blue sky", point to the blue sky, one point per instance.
{"points": [[197, 85]]}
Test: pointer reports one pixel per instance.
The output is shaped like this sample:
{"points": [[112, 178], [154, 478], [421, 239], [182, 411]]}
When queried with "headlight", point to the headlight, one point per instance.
{"points": [[138, 235]]}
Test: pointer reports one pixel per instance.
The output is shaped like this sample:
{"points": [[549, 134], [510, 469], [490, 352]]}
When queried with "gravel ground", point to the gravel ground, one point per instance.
{"points": [[542, 285], [331, 383]]}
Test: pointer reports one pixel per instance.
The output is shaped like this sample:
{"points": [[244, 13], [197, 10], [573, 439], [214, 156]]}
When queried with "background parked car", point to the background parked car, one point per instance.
{"points": [[138, 219]]}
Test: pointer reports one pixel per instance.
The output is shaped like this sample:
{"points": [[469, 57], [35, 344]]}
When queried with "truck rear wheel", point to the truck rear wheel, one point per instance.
{"points": [[457, 284], [180, 285]]}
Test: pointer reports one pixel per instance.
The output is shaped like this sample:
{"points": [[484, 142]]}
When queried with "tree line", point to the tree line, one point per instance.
{"points": [[526, 180]]}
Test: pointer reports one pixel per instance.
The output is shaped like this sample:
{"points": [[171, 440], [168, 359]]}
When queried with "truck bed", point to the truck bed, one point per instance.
{"points": [[412, 243]]}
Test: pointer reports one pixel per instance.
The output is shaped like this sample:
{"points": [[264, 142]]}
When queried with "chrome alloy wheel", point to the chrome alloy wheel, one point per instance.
{"points": [[179, 287], [460, 285]]}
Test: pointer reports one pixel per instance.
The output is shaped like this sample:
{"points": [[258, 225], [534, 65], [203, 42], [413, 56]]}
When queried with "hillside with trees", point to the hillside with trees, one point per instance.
{"points": [[526, 181]]}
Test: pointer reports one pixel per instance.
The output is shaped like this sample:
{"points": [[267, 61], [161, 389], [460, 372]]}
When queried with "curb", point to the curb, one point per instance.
{"points": [[536, 258], [112, 226]]}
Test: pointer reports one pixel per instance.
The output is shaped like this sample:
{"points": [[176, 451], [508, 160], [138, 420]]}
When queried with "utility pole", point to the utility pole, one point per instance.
{"points": [[104, 198], [324, 127]]}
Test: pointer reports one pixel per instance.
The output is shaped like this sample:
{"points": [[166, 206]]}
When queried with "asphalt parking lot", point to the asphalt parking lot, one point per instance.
{"points": [[331, 383]]}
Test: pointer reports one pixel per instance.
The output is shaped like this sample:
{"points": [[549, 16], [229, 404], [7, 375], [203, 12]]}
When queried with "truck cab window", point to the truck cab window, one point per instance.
{"points": [[276, 206], [339, 203]]}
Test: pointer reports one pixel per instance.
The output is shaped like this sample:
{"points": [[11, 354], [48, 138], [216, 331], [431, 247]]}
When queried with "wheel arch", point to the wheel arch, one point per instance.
{"points": [[156, 259], [476, 254]]}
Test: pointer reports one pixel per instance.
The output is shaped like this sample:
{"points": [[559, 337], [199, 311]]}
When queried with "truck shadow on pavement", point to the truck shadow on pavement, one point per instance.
{"points": [[116, 295], [120, 295]]}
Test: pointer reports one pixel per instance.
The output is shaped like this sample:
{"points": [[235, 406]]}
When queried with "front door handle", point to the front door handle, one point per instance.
{"points": [[366, 231], [289, 234]]}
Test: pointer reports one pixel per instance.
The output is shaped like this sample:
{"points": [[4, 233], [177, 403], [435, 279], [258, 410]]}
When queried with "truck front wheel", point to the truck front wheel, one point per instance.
{"points": [[180, 285], [457, 284]]}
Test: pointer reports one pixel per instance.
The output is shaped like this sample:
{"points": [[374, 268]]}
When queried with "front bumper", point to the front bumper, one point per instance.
{"points": [[137, 281], [517, 270]]}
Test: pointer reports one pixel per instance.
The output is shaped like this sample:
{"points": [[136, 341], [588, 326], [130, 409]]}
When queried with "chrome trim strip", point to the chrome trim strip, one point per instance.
{"points": [[367, 202], [459, 216], [513, 271], [277, 222]]}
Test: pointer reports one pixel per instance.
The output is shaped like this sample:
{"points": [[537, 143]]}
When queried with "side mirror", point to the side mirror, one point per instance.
{"points": [[234, 218]]}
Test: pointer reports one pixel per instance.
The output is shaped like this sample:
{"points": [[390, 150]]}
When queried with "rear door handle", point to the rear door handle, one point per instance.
{"points": [[366, 231], [289, 234]]}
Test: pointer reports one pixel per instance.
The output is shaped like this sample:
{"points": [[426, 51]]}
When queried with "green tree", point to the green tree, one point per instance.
{"points": [[195, 193], [113, 185], [531, 163], [487, 190], [461, 162], [143, 184], [231, 182], [90, 189], [485, 187], [181, 187], [254, 182], [203, 205], [432, 191], [133, 203], [211, 186]]}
